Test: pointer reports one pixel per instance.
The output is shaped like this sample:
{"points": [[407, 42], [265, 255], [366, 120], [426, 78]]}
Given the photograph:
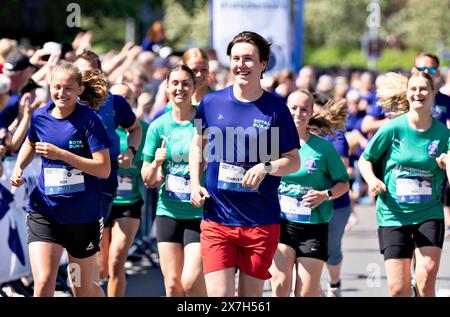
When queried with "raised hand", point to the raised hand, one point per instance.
{"points": [[161, 154]]}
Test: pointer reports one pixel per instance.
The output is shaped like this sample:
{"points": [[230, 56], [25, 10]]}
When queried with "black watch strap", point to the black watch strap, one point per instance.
{"points": [[133, 149], [329, 194]]}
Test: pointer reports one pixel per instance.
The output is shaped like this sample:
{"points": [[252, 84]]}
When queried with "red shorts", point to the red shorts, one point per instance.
{"points": [[251, 249]]}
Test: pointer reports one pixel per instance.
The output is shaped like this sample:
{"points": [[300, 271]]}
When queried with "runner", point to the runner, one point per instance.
{"points": [[399, 165], [115, 112], [166, 154], [74, 149], [306, 198], [240, 227]]}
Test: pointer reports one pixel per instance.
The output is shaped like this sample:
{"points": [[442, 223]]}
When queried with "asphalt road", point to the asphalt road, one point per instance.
{"points": [[363, 272]]}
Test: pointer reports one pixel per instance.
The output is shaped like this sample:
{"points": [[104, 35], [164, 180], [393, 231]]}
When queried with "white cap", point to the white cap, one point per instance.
{"points": [[52, 47], [5, 84]]}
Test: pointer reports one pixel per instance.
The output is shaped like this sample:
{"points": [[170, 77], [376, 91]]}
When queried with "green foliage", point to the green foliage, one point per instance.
{"points": [[422, 24], [109, 33], [340, 56], [186, 23]]}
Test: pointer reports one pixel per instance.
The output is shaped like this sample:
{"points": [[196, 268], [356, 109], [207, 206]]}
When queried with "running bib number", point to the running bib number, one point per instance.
{"points": [[413, 190], [230, 178], [294, 209], [125, 185], [62, 181], [178, 187]]}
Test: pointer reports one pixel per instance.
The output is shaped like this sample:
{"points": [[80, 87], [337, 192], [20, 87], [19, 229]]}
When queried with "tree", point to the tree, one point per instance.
{"points": [[186, 23], [422, 24]]}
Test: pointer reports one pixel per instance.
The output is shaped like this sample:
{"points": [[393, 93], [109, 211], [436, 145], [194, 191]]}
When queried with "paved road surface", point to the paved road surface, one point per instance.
{"points": [[363, 272]]}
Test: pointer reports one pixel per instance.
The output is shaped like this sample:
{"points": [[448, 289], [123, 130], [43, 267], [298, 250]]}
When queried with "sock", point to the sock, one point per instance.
{"points": [[336, 285]]}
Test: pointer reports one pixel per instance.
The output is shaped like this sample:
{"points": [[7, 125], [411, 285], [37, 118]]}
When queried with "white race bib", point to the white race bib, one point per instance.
{"points": [[413, 190], [178, 187], [294, 209], [230, 178], [62, 181], [125, 186]]}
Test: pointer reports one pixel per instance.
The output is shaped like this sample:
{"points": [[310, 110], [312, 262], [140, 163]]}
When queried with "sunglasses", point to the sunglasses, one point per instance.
{"points": [[429, 70]]}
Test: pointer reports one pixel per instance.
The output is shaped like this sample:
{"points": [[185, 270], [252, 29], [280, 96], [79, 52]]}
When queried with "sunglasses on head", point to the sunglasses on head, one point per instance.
{"points": [[429, 70]]}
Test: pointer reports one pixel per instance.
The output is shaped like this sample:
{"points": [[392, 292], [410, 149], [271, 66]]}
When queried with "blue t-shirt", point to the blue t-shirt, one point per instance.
{"points": [[240, 135], [371, 97], [64, 193], [376, 111], [341, 145], [354, 121], [115, 112], [11, 111], [441, 108]]}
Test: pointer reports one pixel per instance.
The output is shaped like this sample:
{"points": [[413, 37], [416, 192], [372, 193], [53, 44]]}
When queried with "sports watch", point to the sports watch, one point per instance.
{"points": [[329, 194], [268, 167]]}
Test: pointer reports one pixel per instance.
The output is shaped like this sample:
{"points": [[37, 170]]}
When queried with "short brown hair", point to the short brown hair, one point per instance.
{"points": [[91, 57], [429, 55], [253, 38]]}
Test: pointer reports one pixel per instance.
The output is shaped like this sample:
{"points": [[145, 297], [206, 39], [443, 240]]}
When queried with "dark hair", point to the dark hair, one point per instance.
{"points": [[94, 83], [253, 38], [180, 67], [91, 57], [429, 55]]}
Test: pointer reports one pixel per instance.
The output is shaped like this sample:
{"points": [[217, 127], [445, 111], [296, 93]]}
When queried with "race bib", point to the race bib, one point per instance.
{"points": [[125, 186], [59, 181], [413, 190], [231, 176], [294, 209], [178, 187]]}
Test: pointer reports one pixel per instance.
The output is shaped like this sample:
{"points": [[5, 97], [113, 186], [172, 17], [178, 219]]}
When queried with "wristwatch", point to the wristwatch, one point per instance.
{"points": [[133, 149], [329, 194], [268, 167]]}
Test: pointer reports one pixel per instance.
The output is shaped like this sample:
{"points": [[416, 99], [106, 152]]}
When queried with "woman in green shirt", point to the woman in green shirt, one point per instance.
{"points": [[399, 166], [166, 163], [306, 198]]}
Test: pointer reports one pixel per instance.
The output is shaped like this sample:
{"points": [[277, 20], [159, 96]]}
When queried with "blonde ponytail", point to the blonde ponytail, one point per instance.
{"points": [[332, 117], [391, 94]]}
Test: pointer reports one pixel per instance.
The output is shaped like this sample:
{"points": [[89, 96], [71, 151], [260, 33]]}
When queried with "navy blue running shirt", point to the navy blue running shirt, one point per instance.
{"points": [[114, 113], [441, 107], [65, 193], [233, 128]]}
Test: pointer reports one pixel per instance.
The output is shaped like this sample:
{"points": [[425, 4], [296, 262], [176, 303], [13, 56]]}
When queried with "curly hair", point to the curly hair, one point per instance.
{"points": [[95, 88]]}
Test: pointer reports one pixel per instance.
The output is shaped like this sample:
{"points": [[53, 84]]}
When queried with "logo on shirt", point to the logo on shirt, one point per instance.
{"points": [[311, 165], [75, 144], [432, 148], [262, 124], [399, 142], [220, 117], [438, 109], [90, 246]]}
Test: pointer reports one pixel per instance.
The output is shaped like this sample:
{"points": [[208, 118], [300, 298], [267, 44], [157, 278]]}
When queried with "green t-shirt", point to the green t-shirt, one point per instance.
{"points": [[405, 160], [169, 104], [130, 187], [321, 168], [174, 193]]}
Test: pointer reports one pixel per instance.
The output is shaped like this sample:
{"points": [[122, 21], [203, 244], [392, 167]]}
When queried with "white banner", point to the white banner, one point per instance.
{"points": [[14, 260], [269, 18]]}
